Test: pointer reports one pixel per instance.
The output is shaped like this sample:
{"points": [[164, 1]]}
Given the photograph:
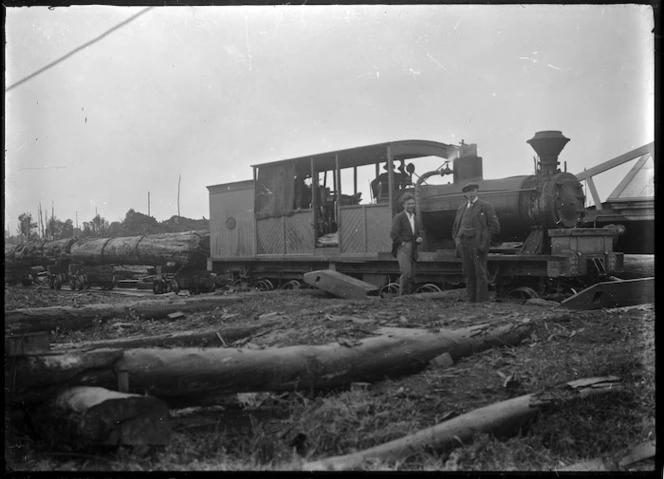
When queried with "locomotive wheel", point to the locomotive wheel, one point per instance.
{"points": [[73, 284], [173, 286], [264, 285], [428, 288], [158, 286], [523, 293], [292, 284], [389, 290], [81, 282], [57, 282]]}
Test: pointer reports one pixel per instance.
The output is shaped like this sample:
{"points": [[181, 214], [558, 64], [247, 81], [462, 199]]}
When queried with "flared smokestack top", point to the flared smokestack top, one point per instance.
{"points": [[548, 145]]}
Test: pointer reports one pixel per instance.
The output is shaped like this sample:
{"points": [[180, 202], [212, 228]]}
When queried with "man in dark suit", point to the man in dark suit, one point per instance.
{"points": [[405, 238], [474, 226]]}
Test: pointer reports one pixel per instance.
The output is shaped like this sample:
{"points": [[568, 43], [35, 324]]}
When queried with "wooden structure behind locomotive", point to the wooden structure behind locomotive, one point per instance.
{"points": [[306, 213]]}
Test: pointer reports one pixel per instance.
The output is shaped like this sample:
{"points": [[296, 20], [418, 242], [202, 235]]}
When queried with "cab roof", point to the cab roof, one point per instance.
{"points": [[371, 154]]}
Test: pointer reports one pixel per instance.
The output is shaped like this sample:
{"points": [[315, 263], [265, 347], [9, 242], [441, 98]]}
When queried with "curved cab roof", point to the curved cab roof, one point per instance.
{"points": [[371, 154]]}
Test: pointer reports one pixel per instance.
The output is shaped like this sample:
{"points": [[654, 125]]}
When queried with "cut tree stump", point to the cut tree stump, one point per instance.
{"points": [[68, 317], [500, 419], [82, 417], [182, 373]]}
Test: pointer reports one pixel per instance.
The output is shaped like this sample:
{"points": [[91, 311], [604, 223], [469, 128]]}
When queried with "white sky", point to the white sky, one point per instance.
{"points": [[207, 91]]}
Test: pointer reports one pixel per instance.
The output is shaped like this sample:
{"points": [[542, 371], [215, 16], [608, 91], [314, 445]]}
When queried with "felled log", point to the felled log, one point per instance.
{"points": [[34, 378], [181, 373], [81, 417], [228, 334], [40, 252], [189, 372], [500, 419], [188, 248], [68, 317]]}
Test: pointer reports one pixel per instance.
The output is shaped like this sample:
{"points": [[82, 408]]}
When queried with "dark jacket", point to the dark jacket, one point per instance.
{"points": [[484, 222], [401, 232]]}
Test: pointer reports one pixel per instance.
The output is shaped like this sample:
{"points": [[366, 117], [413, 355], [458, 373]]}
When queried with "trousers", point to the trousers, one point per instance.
{"points": [[406, 267], [474, 266]]}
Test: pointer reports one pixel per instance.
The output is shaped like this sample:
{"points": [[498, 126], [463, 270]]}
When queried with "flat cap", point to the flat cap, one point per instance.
{"points": [[469, 185]]}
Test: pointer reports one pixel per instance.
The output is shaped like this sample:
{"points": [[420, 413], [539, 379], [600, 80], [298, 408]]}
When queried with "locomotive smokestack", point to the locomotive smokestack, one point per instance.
{"points": [[548, 145]]}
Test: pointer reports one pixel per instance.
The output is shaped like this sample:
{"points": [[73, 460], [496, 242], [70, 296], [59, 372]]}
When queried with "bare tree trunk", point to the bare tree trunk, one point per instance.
{"points": [[68, 317], [503, 418], [196, 372], [81, 417]]}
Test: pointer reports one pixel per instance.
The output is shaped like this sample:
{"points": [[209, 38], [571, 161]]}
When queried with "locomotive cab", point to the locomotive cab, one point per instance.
{"points": [[316, 204]]}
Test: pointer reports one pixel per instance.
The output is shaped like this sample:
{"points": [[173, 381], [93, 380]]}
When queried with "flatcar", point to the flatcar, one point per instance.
{"points": [[307, 213]]}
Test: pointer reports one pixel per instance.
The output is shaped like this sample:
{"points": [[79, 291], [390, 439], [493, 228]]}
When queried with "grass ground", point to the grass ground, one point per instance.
{"points": [[281, 432]]}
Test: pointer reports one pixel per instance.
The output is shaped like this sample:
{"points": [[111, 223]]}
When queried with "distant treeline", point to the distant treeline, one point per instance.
{"points": [[134, 224]]}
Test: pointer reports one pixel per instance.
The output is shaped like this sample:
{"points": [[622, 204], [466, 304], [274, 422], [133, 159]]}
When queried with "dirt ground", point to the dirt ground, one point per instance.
{"points": [[282, 431]]}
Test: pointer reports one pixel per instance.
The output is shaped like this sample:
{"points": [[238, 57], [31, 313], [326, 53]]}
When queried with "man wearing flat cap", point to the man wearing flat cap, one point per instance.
{"points": [[474, 226], [406, 236]]}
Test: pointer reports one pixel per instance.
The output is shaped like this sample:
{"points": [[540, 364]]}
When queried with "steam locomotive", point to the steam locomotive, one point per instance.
{"points": [[306, 213]]}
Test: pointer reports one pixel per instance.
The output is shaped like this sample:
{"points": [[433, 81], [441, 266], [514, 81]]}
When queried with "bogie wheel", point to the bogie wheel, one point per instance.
{"points": [[428, 288], [523, 293], [389, 290], [292, 284], [57, 282], [264, 285], [157, 286], [73, 283], [82, 283]]}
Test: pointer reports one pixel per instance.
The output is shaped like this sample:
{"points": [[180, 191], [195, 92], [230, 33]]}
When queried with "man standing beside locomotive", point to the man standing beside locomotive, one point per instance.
{"points": [[405, 238], [474, 226]]}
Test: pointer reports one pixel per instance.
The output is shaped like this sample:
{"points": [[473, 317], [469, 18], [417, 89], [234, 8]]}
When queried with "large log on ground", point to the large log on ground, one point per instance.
{"points": [[189, 248], [69, 317], [181, 373], [40, 252], [34, 378], [500, 419], [81, 417]]}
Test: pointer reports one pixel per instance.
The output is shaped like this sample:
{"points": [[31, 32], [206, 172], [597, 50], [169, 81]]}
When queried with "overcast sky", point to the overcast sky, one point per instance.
{"points": [[204, 92]]}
